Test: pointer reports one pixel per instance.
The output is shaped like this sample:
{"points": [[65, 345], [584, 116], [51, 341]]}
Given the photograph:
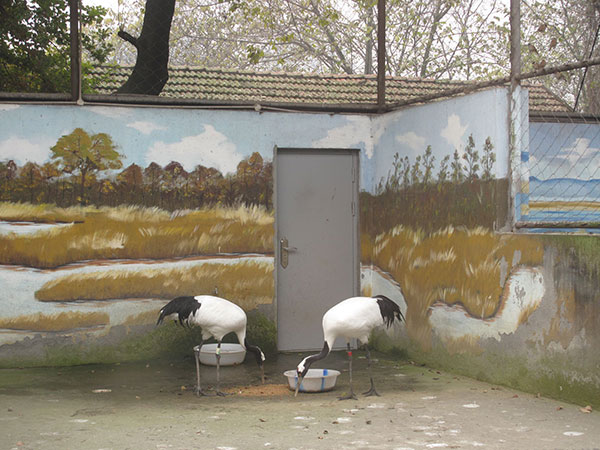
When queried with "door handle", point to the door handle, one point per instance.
{"points": [[284, 250]]}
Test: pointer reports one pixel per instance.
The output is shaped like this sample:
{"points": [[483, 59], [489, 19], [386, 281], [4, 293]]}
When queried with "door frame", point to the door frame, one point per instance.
{"points": [[355, 153]]}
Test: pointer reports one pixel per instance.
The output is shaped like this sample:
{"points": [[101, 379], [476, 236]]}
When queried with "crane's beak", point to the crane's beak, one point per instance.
{"points": [[298, 383]]}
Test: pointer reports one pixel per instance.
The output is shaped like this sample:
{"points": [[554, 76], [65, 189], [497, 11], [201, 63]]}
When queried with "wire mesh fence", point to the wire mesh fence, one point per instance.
{"points": [[559, 171], [556, 172]]}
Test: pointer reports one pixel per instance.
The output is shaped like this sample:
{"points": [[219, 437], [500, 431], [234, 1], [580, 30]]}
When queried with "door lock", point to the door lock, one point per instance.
{"points": [[284, 251]]}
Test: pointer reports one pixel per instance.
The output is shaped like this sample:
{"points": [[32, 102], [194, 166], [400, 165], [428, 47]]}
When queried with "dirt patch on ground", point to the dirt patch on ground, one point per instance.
{"points": [[262, 390]]}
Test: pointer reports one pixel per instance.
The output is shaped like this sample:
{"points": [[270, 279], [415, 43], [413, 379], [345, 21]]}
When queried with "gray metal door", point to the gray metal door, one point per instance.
{"points": [[317, 255]]}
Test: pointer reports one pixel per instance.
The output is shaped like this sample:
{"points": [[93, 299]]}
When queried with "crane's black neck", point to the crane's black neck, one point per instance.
{"points": [[311, 359], [258, 354]]}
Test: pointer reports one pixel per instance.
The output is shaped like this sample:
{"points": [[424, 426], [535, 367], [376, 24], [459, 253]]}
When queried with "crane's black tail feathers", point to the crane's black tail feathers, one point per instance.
{"points": [[182, 306], [389, 310]]}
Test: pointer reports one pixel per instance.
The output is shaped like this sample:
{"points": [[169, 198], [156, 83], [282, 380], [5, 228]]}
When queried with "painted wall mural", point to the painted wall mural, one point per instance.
{"points": [[564, 167], [515, 309], [429, 224], [107, 213]]}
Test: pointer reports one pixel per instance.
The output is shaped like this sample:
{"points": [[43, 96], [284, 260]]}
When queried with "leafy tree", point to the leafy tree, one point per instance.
{"points": [[29, 180], [150, 73], [173, 180], [8, 172], [560, 31], [50, 174], [416, 174], [443, 172], [425, 38], [248, 174], [428, 163], [205, 182], [35, 43], [82, 155], [393, 179], [405, 172], [488, 159], [471, 157], [152, 177], [131, 181], [456, 168], [266, 179]]}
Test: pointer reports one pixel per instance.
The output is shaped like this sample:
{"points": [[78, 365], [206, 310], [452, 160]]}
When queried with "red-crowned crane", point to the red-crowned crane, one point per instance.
{"points": [[216, 317], [352, 318]]}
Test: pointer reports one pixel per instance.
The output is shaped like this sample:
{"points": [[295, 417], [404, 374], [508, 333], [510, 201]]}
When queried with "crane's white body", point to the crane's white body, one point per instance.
{"points": [[354, 317], [217, 317]]}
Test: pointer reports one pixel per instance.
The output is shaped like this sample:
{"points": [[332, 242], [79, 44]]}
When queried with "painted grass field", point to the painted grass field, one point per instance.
{"points": [[130, 232], [248, 283], [454, 266], [55, 322]]}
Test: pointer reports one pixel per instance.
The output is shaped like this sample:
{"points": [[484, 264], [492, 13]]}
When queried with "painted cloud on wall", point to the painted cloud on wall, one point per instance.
{"points": [[413, 140], [350, 135], [22, 150], [209, 148], [579, 160], [454, 132], [145, 127]]}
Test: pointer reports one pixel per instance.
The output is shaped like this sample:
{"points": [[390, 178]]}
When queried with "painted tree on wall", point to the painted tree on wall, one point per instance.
{"points": [[463, 192], [83, 155], [80, 172]]}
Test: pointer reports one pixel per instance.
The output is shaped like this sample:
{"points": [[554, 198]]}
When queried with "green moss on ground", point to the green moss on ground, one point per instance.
{"points": [[167, 342]]}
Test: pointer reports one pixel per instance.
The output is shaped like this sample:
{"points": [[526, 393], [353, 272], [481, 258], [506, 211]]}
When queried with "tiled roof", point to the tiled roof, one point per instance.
{"points": [[221, 85]]}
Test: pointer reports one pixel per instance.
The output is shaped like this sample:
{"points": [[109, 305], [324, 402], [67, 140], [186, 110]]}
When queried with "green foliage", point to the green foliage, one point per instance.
{"points": [[35, 44], [262, 332], [558, 32]]}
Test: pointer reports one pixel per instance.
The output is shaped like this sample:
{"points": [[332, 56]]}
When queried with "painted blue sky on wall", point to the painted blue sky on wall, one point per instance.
{"points": [[564, 150], [222, 138], [219, 139], [564, 173], [446, 126]]}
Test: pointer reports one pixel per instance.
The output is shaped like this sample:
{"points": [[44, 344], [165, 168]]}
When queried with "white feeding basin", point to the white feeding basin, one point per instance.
{"points": [[231, 354], [316, 380]]}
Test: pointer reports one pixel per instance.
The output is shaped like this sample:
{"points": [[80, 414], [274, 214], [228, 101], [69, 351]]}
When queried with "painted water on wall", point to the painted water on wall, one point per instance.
{"points": [[564, 166]]}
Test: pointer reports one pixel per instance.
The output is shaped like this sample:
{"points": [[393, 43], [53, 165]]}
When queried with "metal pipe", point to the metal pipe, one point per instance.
{"points": [[381, 55], [75, 61]]}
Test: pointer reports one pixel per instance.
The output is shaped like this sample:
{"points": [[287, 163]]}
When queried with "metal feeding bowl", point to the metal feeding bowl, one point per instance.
{"points": [[316, 380], [231, 354]]}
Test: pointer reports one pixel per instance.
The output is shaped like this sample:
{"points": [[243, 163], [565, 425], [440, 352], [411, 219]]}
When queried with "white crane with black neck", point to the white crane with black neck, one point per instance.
{"points": [[216, 317], [353, 318]]}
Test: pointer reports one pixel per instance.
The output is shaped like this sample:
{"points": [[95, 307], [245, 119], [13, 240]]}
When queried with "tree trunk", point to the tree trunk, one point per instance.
{"points": [[150, 73]]}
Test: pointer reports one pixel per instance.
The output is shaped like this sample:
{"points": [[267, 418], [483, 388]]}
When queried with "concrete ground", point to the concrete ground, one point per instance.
{"points": [[152, 406]]}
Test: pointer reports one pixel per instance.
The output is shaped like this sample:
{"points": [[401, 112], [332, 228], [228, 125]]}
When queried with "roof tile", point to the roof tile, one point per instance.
{"points": [[300, 88]]}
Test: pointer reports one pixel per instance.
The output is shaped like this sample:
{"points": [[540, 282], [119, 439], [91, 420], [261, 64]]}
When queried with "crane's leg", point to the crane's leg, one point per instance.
{"points": [[351, 394], [371, 391], [218, 356], [199, 391]]}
